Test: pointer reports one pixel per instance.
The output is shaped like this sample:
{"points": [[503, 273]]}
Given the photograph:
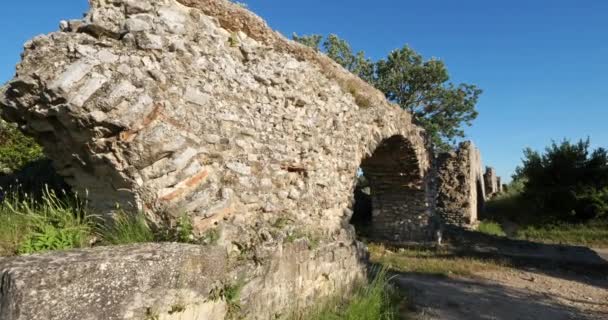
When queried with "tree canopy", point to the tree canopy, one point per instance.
{"points": [[567, 178], [419, 86]]}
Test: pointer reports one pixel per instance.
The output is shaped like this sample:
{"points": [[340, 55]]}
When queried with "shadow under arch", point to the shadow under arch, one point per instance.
{"points": [[391, 197]]}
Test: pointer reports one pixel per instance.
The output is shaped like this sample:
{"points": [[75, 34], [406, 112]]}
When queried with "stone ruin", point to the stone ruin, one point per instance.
{"points": [[197, 108], [492, 182], [460, 186]]}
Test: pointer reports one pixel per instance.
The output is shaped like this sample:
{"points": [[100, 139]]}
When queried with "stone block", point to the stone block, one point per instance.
{"points": [[111, 283]]}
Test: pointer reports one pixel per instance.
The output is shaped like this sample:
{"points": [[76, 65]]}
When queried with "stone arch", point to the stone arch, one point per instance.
{"points": [[396, 207], [212, 115]]}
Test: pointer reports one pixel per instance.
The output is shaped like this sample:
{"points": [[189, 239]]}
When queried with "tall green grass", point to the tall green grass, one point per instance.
{"points": [[126, 228], [51, 223], [375, 301]]}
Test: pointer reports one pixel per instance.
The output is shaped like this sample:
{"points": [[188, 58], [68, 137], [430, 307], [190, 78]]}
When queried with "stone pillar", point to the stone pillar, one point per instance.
{"points": [[460, 185], [491, 182]]}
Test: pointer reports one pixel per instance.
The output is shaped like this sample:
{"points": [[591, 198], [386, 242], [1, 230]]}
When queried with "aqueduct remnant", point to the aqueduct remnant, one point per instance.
{"points": [[460, 182], [492, 182], [197, 107]]}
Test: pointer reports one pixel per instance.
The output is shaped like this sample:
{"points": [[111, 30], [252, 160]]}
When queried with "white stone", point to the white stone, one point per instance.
{"points": [[73, 73], [193, 95], [106, 56], [124, 89], [212, 138], [148, 41], [136, 24], [174, 18], [137, 6], [94, 83], [239, 168]]}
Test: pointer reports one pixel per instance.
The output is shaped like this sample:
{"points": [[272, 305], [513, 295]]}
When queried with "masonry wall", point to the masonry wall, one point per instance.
{"points": [[196, 107], [460, 185], [400, 211], [492, 182]]}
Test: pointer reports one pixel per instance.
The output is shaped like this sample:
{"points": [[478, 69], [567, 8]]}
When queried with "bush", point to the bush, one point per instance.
{"points": [[16, 150], [567, 179]]}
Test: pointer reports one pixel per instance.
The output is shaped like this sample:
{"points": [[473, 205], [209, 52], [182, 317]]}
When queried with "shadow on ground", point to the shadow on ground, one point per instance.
{"points": [[574, 263], [458, 299]]}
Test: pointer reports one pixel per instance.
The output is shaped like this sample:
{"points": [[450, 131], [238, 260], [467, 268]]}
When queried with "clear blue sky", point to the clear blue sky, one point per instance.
{"points": [[543, 64]]}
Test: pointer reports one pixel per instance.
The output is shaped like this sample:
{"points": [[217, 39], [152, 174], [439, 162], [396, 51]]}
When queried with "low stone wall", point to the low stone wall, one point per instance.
{"points": [[460, 185], [173, 282], [167, 281]]}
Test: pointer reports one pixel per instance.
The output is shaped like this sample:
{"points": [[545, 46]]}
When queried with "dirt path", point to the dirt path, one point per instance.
{"points": [[530, 291], [506, 295], [603, 253]]}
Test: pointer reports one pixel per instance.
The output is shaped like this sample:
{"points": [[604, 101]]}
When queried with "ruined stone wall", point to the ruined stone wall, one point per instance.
{"points": [[460, 185], [196, 107], [492, 182]]}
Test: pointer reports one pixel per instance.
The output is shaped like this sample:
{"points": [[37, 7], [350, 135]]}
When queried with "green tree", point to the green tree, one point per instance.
{"points": [[423, 88], [340, 51], [419, 86], [567, 178], [313, 40]]}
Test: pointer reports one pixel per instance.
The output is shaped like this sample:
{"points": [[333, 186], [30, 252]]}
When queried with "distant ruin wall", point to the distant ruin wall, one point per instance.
{"points": [[196, 107], [460, 185], [492, 182]]}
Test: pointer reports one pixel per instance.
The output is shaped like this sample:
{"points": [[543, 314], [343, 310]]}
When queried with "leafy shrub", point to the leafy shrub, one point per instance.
{"points": [[16, 150], [567, 179], [184, 229]]}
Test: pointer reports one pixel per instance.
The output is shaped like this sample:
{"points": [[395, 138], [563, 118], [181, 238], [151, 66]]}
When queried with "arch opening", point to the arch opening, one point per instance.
{"points": [[390, 200]]}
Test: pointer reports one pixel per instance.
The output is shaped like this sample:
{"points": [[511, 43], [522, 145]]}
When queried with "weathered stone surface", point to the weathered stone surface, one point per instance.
{"points": [[126, 282], [196, 107], [238, 106], [460, 183]]}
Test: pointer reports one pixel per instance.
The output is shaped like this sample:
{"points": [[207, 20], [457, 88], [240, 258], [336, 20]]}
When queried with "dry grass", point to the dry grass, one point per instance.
{"points": [[438, 262]]}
